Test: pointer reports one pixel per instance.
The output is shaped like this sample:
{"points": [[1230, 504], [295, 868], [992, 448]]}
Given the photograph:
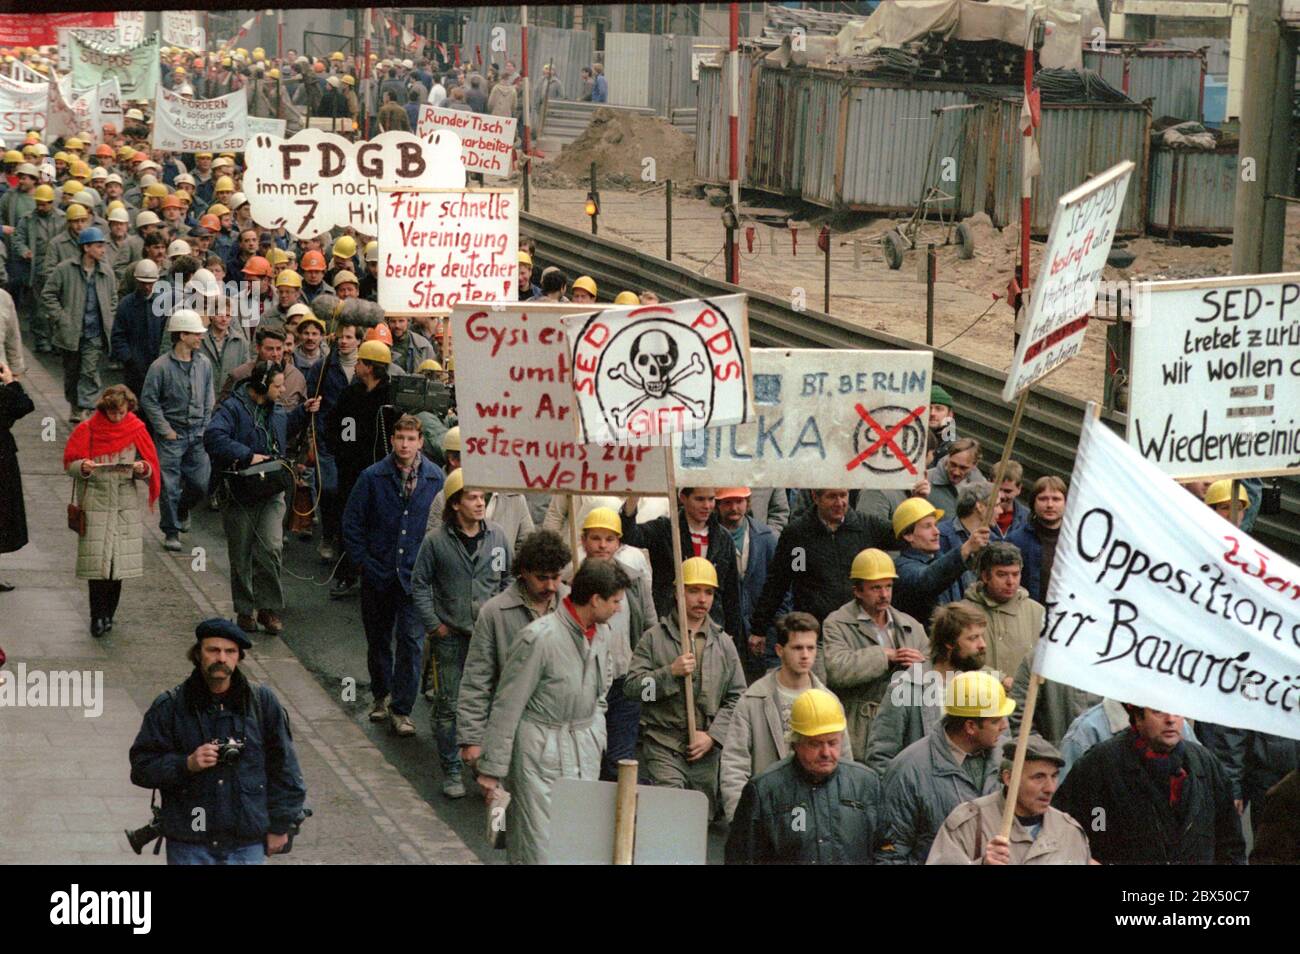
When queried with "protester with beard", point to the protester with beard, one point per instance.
{"points": [[220, 751], [912, 706]]}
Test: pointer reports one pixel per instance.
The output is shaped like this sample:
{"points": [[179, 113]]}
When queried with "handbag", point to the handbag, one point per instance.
{"points": [[77, 516]]}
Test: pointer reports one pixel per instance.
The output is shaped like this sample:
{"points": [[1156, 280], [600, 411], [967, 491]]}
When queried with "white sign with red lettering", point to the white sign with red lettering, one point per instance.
{"points": [[487, 143], [23, 106], [1065, 290], [185, 124], [515, 400], [644, 373]]}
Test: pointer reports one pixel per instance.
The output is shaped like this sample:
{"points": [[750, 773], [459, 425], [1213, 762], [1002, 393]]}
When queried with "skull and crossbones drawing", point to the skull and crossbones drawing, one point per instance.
{"points": [[653, 371]]}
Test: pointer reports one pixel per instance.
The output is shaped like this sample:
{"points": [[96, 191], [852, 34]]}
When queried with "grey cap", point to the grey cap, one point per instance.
{"points": [[1036, 749]]}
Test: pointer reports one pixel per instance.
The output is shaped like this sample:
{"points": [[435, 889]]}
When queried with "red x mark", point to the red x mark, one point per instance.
{"points": [[886, 439]]}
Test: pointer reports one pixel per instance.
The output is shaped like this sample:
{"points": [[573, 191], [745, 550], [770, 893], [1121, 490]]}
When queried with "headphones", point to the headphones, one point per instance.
{"points": [[264, 373]]}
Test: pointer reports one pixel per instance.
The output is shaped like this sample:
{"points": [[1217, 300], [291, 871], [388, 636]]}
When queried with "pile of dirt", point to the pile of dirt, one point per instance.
{"points": [[620, 143]]}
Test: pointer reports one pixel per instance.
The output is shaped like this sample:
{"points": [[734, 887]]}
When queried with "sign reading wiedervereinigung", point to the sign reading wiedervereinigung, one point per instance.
{"points": [[1216, 376]]}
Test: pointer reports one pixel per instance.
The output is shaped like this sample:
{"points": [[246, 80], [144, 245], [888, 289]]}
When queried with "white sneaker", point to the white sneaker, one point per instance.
{"points": [[173, 543], [379, 711], [453, 788]]}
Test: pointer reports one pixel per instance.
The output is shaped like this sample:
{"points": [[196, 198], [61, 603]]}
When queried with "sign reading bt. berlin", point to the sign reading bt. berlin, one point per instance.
{"points": [[516, 408], [860, 415], [1065, 289], [1216, 376], [438, 248], [1183, 614], [644, 373]]}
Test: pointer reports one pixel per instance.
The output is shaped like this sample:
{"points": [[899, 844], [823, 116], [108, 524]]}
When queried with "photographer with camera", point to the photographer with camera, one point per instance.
{"points": [[247, 444], [220, 751]]}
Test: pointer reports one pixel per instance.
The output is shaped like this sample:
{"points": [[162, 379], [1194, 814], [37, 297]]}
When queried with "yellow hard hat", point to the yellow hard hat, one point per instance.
{"points": [[603, 518], [976, 695], [1220, 492], [626, 298], [345, 247], [346, 277], [79, 170], [288, 279], [911, 511], [13, 155], [451, 440], [43, 193], [73, 143], [273, 73], [586, 283], [525, 259], [349, 80], [62, 156], [454, 485], [336, 57], [817, 712], [71, 187], [371, 251], [77, 212], [115, 205], [224, 184], [226, 61], [698, 571], [217, 209], [259, 53], [873, 564], [428, 364], [375, 351]]}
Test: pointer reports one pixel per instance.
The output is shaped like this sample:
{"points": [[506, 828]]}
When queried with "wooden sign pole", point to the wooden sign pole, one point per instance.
{"points": [[625, 813], [991, 508], [683, 627], [573, 530]]}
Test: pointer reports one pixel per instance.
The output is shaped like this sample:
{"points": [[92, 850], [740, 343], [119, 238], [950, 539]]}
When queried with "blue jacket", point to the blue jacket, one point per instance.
{"points": [[762, 547], [263, 791], [137, 332], [381, 531], [1031, 549], [953, 536], [232, 438], [329, 389], [170, 388], [926, 580]]}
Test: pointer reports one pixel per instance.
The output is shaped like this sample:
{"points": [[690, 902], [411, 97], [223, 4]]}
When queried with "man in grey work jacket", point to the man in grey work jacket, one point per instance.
{"points": [[80, 300]]}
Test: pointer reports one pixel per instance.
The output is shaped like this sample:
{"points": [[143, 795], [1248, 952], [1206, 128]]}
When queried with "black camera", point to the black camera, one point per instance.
{"points": [[229, 751], [413, 393], [141, 836], [295, 830]]}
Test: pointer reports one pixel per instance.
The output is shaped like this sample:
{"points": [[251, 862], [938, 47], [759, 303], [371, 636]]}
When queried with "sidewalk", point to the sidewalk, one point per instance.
{"points": [[65, 792]]}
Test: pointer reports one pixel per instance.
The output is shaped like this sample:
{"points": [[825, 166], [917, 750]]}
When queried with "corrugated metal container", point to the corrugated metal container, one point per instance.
{"points": [[882, 157], [627, 59], [1170, 77], [655, 70], [711, 138], [776, 132], [1204, 186], [1074, 143], [817, 150], [568, 50]]}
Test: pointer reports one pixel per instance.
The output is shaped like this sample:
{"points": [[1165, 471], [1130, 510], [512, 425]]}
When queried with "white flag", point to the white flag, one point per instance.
{"points": [[1157, 601]]}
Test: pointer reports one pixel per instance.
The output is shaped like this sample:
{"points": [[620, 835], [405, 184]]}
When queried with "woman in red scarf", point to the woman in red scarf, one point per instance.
{"points": [[109, 456]]}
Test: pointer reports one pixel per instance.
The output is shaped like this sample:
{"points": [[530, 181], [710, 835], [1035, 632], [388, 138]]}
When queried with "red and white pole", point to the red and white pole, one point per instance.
{"points": [[733, 135], [1026, 178]]}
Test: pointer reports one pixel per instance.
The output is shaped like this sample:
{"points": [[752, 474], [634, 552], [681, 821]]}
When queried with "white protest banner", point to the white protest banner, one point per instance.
{"points": [[105, 104], [1065, 289], [262, 126], [1216, 376], [182, 124], [651, 371], [23, 106], [62, 117], [487, 142], [136, 68], [1158, 601], [438, 248], [315, 180], [130, 28], [516, 408], [861, 415], [183, 28]]}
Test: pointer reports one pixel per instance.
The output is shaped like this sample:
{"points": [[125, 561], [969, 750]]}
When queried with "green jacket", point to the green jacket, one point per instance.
{"points": [[1013, 627], [62, 248], [34, 234], [64, 299]]}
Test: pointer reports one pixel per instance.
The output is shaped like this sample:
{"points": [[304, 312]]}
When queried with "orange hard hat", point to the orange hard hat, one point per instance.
{"points": [[380, 332], [104, 149], [318, 66], [173, 201], [257, 266], [210, 222], [198, 62], [313, 260]]}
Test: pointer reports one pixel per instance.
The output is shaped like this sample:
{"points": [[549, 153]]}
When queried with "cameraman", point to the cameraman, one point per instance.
{"points": [[249, 428], [220, 751]]}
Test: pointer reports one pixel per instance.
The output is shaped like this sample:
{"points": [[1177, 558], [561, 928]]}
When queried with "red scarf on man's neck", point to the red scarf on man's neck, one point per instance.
{"points": [[97, 436]]}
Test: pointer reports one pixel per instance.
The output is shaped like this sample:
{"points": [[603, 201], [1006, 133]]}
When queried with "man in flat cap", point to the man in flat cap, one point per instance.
{"points": [[1040, 834], [220, 751]]}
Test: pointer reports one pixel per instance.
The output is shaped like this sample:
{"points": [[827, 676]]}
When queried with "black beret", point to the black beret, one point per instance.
{"points": [[224, 628]]}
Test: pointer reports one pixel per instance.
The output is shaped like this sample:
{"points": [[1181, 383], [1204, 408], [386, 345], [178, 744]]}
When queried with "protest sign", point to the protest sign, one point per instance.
{"points": [[860, 415], [182, 124], [315, 181], [135, 68], [516, 408], [651, 371], [62, 118], [42, 29], [183, 28], [262, 126], [130, 28], [1160, 602], [1216, 376], [1065, 289], [438, 248], [23, 106], [487, 142]]}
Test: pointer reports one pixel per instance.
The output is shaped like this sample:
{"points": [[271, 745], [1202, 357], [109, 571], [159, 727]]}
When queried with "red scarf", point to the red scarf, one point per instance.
{"points": [[587, 631], [109, 438]]}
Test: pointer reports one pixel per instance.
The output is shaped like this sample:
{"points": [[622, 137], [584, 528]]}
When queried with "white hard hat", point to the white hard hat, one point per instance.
{"points": [[205, 283], [237, 200], [147, 180], [113, 177], [119, 215], [135, 114], [184, 319], [99, 172], [334, 82], [147, 218], [184, 179], [178, 247], [407, 64], [145, 271]]}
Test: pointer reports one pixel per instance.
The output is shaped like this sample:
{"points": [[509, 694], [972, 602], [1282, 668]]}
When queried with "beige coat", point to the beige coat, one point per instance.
{"points": [[1013, 627], [111, 548], [756, 738], [966, 833], [857, 669]]}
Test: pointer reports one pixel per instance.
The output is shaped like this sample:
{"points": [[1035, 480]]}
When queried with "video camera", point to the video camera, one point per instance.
{"points": [[413, 393]]}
